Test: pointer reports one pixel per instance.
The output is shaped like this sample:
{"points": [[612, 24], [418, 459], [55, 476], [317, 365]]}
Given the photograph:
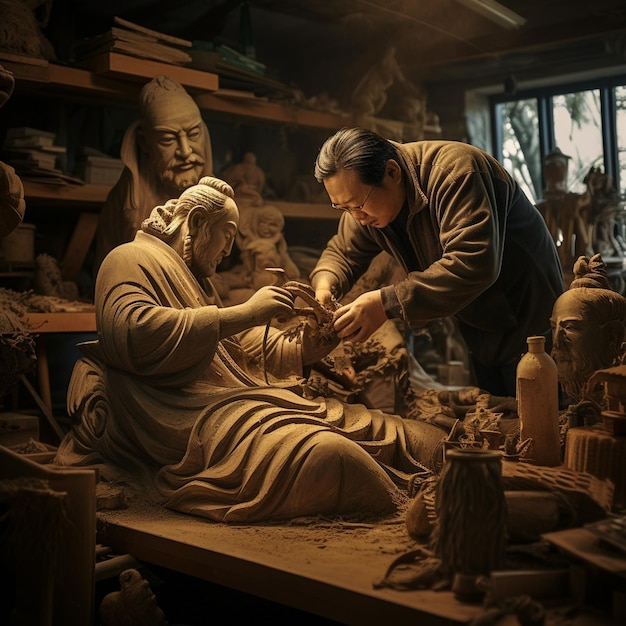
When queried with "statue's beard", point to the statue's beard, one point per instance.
{"points": [[177, 182], [574, 373], [573, 382]]}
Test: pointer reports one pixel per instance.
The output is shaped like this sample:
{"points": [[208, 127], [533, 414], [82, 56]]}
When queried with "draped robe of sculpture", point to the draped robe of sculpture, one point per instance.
{"points": [[163, 402]]}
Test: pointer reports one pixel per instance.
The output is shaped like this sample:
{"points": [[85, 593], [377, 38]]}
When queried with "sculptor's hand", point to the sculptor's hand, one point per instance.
{"points": [[323, 284], [359, 319], [268, 302]]}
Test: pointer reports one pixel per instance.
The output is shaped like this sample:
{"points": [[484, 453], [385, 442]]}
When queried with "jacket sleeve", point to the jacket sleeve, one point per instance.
{"points": [[347, 255], [460, 238]]}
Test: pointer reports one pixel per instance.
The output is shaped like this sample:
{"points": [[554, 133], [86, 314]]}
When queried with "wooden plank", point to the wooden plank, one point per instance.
{"points": [[327, 569], [25, 68], [78, 79], [131, 68], [308, 210], [261, 109], [65, 195], [73, 591], [80, 321], [78, 246], [585, 545]]}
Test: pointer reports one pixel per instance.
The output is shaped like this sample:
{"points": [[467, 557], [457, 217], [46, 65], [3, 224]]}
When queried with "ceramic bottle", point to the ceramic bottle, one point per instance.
{"points": [[538, 403]]}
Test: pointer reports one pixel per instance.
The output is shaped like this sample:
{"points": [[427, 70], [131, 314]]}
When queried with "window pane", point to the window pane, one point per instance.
{"points": [[578, 133], [520, 144], [620, 111]]}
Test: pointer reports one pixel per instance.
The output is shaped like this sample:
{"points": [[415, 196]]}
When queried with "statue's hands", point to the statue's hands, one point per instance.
{"points": [[268, 302], [359, 319]]}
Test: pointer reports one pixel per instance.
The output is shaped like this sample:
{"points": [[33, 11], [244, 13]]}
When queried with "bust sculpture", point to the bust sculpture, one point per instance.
{"points": [[165, 151], [588, 327]]}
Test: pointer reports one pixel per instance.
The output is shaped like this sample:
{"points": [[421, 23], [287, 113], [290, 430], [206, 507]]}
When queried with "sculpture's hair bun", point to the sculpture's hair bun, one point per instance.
{"points": [[590, 273]]}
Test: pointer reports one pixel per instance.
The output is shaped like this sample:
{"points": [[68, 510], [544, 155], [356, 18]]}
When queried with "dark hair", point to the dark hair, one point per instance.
{"points": [[357, 149]]}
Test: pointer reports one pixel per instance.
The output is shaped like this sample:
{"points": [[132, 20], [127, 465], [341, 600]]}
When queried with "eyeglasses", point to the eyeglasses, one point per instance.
{"points": [[351, 209]]}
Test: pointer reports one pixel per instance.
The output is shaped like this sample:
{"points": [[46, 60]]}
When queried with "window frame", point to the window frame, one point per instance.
{"points": [[544, 95]]}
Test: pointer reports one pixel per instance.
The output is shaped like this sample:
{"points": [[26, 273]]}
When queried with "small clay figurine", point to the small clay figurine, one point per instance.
{"points": [[261, 233], [133, 605], [247, 179]]}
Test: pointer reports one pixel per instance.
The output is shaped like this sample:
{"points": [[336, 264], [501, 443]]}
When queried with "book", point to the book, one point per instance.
{"points": [[31, 158], [27, 131], [115, 34], [176, 41], [37, 143], [146, 50]]}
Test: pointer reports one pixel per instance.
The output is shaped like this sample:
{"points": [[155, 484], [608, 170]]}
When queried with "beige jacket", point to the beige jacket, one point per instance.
{"points": [[474, 247]]}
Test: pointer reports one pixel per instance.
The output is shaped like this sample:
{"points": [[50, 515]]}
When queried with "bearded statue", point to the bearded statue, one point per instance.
{"points": [[588, 327]]}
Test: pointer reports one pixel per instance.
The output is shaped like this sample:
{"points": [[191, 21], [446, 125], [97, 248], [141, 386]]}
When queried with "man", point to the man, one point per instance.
{"points": [[165, 151], [588, 327], [472, 244]]}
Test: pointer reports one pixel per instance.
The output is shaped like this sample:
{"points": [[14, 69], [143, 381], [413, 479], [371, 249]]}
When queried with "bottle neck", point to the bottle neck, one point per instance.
{"points": [[536, 344]]}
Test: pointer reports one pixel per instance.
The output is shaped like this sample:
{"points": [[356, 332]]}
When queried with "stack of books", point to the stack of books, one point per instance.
{"points": [[97, 168], [32, 152], [128, 38]]}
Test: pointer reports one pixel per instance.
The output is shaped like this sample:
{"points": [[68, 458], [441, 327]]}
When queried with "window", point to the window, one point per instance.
{"points": [[586, 122]]}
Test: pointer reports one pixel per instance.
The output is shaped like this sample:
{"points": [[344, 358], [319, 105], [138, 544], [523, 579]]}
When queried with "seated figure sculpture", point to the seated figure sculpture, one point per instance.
{"points": [[201, 406], [588, 328]]}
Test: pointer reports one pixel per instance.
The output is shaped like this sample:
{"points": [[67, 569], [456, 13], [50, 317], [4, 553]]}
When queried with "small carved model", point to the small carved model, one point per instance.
{"points": [[49, 281], [20, 28], [563, 211], [262, 244], [602, 202], [133, 605], [247, 179], [12, 204]]}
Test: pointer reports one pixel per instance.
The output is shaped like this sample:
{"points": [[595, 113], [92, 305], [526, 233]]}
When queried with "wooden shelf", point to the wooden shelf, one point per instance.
{"points": [[65, 195], [305, 210], [121, 77], [125, 67], [262, 109], [81, 196]]}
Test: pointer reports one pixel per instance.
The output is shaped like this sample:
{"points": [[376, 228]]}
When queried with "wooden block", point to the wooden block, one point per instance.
{"points": [[130, 68], [17, 428], [25, 68]]}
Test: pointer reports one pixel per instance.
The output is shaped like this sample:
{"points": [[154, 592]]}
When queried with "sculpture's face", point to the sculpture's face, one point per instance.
{"points": [[174, 141], [214, 242], [578, 344], [268, 226]]}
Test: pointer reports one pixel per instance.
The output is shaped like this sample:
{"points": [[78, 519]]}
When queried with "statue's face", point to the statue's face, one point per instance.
{"points": [[174, 141], [214, 241], [268, 226], [577, 340]]}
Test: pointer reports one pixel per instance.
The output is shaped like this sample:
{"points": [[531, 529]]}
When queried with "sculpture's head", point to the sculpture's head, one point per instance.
{"points": [[172, 134], [269, 221], [200, 225], [588, 326]]}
